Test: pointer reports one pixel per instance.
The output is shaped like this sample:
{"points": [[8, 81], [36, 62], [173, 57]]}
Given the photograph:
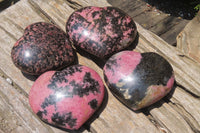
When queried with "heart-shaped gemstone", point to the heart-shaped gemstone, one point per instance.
{"points": [[42, 47], [138, 79], [67, 98], [101, 31]]}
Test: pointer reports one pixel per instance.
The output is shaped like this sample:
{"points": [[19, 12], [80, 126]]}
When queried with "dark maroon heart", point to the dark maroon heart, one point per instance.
{"points": [[43, 47], [138, 80], [67, 98], [101, 31]]}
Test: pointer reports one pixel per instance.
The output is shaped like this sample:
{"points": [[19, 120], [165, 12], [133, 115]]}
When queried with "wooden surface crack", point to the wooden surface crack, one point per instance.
{"points": [[15, 85], [41, 12], [74, 5], [155, 122], [188, 91], [195, 127], [10, 34]]}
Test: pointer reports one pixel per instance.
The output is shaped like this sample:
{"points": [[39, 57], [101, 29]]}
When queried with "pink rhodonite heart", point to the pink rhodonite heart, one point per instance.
{"points": [[101, 31], [67, 98], [42, 47], [138, 79]]}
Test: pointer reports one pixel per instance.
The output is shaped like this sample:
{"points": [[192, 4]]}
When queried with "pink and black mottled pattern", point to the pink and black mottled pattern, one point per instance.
{"points": [[138, 80], [67, 98], [101, 31], [42, 47]]}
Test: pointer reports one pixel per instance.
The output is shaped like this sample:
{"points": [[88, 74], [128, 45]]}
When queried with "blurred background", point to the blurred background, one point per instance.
{"points": [[6, 3], [179, 8]]}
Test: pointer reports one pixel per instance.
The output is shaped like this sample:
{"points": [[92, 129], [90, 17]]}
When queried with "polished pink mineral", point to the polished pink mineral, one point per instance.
{"points": [[138, 79], [67, 98], [101, 31], [42, 47]]}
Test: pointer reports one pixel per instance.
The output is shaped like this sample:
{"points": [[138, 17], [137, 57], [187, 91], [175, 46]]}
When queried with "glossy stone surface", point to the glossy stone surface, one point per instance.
{"points": [[101, 31], [67, 98], [42, 47], [138, 79]]}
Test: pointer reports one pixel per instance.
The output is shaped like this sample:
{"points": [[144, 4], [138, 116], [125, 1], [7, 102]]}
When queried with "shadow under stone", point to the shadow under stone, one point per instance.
{"points": [[86, 125], [101, 62]]}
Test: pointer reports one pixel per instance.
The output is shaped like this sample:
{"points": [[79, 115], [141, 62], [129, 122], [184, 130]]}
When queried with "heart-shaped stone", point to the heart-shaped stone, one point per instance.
{"points": [[101, 31], [67, 98], [42, 47], [138, 79]]}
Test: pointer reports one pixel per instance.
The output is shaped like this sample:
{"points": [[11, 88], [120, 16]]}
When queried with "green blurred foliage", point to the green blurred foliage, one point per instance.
{"points": [[197, 7]]}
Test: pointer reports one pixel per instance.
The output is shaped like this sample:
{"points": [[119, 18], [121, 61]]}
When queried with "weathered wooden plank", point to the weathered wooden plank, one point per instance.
{"points": [[170, 35], [83, 3], [188, 40], [165, 24], [56, 11], [51, 8], [128, 6], [115, 117], [15, 113], [177, 116], [149, 19], [188, 107], [170, 119], [133, 12], [133, 7], [168, 28]]}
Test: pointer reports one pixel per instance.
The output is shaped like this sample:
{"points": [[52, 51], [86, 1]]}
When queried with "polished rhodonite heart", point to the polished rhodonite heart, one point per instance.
{"points": [[101, 31], [138, 79], [67, 98], [42, 47]]}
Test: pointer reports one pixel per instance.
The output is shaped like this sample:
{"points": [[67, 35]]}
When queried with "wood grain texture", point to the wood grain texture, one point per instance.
{"points": [[16, 115], [173, 32], [178, 112], [164, 25], [188, 40]]}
